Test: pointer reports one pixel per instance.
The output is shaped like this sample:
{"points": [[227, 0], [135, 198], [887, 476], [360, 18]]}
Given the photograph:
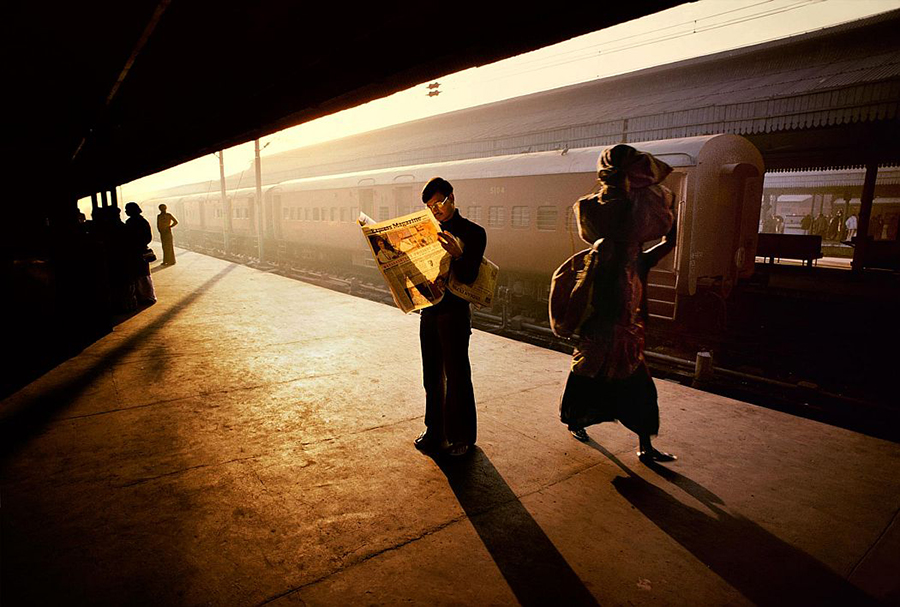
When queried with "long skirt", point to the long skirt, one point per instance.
{"points": [[144, 291], [592, 400]]}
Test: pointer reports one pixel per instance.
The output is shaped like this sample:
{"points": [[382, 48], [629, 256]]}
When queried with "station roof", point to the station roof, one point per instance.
{"points": [[105, 93], [828, 98]]}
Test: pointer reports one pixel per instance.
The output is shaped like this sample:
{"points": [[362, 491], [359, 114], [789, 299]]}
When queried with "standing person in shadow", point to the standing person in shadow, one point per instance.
{"points": [[609, 379], [114, 237], [444, 331], [139, 236], [165, 221]]}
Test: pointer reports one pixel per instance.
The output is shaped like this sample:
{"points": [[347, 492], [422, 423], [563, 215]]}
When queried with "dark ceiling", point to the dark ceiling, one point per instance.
{"points": [[106, 92]]}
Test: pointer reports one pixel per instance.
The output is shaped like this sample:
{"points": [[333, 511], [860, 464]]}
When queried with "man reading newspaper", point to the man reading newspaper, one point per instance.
{"points": [[444, 331]]}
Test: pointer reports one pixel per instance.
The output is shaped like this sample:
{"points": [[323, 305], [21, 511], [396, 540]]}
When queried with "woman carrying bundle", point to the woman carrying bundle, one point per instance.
{"points": [[609, 379]]}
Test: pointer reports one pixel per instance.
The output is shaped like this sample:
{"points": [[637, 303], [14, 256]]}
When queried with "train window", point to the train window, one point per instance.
{"points": [[308, 213], [521, 217], [343, 214], [324, 214], [334, 213], [384, 213], [286, 213], [316, 214], [473, 212], [546, 218], [496, 217]]}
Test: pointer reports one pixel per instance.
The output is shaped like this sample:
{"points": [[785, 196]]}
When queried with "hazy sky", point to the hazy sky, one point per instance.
{"points": [[682, 32]]}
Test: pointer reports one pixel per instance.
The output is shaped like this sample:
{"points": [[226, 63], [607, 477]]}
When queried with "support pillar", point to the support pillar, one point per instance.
{"points": [[259, 201], [226, 208], [105, 196], [865, 213], [114, 199]]}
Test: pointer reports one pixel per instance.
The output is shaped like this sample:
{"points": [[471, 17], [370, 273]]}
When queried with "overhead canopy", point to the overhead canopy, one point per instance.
{"points": [[102, 93], [829, 98]]}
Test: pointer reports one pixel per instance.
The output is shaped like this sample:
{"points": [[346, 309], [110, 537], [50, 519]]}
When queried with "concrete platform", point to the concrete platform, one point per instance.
{"points": [[248, 441]]}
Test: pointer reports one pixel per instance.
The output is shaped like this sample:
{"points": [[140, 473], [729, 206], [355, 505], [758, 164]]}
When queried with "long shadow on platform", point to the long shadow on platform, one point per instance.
{"points": [[32, 415], [532, 566], [759, 565], [39, 349]]}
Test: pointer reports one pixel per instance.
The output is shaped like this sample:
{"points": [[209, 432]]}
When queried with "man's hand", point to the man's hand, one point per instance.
{"points": [[451, 244]]}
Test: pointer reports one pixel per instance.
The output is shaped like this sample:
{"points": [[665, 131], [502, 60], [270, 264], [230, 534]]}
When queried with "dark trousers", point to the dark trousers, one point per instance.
{"points": [[168, 247], [449, 398]]}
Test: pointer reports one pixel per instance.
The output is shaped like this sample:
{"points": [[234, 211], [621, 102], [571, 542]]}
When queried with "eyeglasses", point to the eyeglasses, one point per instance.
{"points": [[441, 203]]}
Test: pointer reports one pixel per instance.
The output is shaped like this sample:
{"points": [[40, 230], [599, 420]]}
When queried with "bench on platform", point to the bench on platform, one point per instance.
{"points": [[805, 247]]}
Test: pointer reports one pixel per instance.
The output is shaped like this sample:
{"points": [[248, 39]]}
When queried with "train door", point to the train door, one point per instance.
{"points": [[272, 214], [744, 183], [367, 197], [403, 195], [662, 294]]}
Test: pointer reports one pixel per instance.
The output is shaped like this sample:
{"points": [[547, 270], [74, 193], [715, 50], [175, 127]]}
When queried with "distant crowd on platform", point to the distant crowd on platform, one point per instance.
{"points": [[832, 228], [123, 247]]}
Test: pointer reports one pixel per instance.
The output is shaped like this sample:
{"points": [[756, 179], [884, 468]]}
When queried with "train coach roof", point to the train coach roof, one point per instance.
{"points": [[675, 152]]}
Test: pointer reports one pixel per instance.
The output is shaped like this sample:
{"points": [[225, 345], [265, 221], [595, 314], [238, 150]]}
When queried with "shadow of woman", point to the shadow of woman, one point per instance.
{"points": [[532, 566], [762, 567]]}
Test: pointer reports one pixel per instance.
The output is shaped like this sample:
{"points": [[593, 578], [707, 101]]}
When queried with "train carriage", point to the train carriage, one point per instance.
{"points": [[524, 202]]}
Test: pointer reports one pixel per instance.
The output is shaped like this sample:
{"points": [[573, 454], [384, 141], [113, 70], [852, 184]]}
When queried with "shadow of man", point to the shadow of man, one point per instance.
{"points": [[761, 566], [532, 566]]}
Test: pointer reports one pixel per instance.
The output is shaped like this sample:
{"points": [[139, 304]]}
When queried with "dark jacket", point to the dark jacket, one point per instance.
{"points": [[465, 268]]}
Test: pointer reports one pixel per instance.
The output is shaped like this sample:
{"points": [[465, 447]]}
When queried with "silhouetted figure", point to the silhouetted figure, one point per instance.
{"points": [[878, 229], [820, 225], [609, 379], [851, 224], [164, 223], [112, 233], [779, 224], [139, 236], [835, 226], [444, 331], [806, 223]]}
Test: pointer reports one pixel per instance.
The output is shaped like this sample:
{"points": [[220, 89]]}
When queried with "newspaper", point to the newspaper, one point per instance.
{"points": [[416, 267]]}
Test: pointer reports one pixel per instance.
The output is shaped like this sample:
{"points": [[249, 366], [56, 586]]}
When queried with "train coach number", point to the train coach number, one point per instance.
{"points": [[499, 189]]}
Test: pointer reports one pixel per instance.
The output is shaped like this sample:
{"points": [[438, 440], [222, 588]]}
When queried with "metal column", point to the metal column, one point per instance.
{"points": [[865, 212]]}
